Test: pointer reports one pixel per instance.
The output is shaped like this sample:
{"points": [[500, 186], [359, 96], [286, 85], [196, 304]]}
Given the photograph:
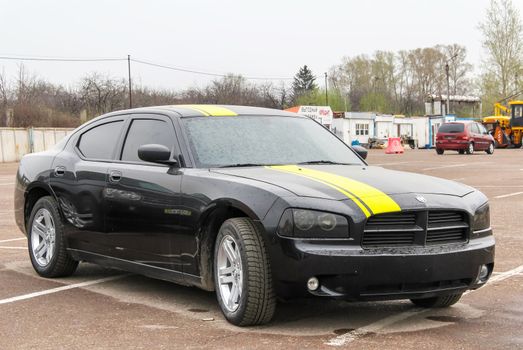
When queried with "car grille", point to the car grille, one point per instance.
{"points": [[415, 228], [446, 227]]}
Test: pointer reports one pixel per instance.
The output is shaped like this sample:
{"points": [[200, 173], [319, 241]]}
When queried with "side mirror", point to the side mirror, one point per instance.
{"points": [[362, 152], [156, 154]]}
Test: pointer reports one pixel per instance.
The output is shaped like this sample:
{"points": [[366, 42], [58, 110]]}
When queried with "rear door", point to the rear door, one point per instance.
{"points": [[79, 179], [143, 198]]}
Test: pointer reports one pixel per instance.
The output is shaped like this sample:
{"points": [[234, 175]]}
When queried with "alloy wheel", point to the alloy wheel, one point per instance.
{"points": [[230, 273], [43, 235]]}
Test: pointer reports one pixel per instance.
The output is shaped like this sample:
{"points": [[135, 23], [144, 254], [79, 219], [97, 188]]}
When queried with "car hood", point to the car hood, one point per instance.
{"points": [[338, 182]]}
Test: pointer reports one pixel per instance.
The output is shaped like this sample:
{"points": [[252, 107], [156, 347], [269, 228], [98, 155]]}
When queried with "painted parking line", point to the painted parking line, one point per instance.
{"points": [[61, 289], [509, 195], [13, 248], [446, 166], [348, 337], [13, 239], [7, 183]]}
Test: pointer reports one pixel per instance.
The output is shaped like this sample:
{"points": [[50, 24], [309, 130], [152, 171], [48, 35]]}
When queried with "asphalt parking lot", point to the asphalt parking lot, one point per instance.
{"points": [[105, 309]]}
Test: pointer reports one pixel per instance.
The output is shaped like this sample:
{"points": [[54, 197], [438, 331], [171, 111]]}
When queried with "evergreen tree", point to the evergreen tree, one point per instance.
{"points": [[304, 82]]}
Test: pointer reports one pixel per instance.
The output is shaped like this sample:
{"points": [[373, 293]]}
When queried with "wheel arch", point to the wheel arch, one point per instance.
{"points": [[212, 218], [33, 193]]}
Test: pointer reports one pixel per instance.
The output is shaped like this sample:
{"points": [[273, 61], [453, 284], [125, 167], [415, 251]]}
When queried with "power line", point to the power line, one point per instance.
{"points": [[60, 59], [149, 63]]}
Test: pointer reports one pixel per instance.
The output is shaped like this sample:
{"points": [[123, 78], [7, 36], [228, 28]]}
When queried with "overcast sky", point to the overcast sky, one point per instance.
{"points": [[254, 38]]}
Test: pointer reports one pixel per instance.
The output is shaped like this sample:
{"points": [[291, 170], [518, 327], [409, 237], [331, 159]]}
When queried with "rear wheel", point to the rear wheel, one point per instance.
{"points": [[437, 302], [470, 148], [242, 274], [440, 151], [490, 149], [46, 242]]}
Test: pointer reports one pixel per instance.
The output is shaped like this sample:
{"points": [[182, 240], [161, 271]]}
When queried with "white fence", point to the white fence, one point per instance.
{"points": [[16, 142]]}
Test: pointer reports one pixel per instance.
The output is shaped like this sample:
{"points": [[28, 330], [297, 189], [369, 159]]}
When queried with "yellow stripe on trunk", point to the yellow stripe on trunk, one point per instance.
{"points": [[369, 199], [211, 110]]}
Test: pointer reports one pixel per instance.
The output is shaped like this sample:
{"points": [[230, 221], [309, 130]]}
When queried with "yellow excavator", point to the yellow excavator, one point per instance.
{"points": [[506, 125]]}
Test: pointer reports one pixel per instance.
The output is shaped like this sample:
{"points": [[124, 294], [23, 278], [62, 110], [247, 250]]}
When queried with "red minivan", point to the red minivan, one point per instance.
{"points": [[464, 137]]}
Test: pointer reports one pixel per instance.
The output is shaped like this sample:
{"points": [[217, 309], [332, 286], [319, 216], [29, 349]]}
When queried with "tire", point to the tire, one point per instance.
{"points": [[517, 145], [461, 151], [490, 149], [470, 148], [256, 302], [440, 151], [437, 302], [46, 242]]}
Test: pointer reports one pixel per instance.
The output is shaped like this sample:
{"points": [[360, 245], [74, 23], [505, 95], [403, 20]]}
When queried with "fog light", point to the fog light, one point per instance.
{"points": [[313, 283], [483, 273]]}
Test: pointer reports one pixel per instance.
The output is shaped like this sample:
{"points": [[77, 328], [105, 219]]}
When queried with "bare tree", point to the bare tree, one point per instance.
{"points": [[503, 41]]}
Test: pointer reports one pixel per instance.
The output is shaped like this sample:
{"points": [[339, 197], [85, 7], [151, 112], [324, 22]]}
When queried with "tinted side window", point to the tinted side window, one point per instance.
{"points": [[146, 131], [99, 142]]}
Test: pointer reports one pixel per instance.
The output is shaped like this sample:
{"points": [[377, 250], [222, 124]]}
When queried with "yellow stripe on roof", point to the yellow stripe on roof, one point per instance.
{"points": [[211, 110], [369, 199]]}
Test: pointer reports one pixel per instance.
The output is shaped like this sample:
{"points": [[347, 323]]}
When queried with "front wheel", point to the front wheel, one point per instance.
{"points": [[46, 242], [490, 149], [242, 274], [440, 151], [437, 302], [470, 148]]}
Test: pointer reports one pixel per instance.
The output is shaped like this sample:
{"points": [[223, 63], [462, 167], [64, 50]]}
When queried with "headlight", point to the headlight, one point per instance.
{"points": [[481, 218], [303, 223]]}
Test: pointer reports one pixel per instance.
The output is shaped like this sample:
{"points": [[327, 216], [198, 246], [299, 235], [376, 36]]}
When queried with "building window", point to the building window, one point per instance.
{"points": [[362, 129]]}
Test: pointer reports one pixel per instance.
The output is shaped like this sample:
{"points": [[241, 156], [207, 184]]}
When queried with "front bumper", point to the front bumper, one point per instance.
{"points": [[353, 273]]}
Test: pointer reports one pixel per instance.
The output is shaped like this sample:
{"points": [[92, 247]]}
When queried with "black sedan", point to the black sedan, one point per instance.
{"points": [[252, 203]]}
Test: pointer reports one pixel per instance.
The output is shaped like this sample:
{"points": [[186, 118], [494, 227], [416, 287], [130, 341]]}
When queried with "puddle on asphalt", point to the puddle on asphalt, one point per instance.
{"points": [[197, 310], [444, 318]]}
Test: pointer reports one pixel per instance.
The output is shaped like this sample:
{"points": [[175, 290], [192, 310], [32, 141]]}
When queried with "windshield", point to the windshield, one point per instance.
{"points": [[452, 128], [263, 140]]}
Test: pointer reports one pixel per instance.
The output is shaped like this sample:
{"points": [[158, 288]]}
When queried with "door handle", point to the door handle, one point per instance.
{"points": [[115, 176], [59, 171]]}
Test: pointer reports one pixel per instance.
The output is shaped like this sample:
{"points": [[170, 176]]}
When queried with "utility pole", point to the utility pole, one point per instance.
{"points": [[130, 85], [448, 88], [326, 91]]}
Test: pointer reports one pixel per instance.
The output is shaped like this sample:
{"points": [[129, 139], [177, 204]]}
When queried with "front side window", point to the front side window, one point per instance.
{"points": [[100, 141], [144, 132], [263, 140]]}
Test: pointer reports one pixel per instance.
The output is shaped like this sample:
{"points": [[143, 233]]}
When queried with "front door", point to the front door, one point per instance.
{"points": [[143, 198]]}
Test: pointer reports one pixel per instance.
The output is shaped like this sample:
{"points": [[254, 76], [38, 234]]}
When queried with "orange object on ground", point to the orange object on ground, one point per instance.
{"points": [[394, 146]]}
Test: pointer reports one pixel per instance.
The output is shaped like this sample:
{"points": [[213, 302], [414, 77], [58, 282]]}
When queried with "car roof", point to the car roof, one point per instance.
{"points": [[205, 110]]}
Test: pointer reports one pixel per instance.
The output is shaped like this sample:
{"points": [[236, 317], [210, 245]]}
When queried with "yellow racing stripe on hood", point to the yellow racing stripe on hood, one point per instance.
{"points": [[211, 110], [369, 199]]}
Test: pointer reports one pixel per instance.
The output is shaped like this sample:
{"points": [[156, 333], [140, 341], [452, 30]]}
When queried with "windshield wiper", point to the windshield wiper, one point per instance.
{"points": [[238, 165], [325, 162]]}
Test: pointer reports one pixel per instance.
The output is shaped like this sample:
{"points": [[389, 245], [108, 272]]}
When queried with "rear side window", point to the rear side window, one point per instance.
{"points": [[144, 132], [474, 128], [100, 141], [451, 128]]}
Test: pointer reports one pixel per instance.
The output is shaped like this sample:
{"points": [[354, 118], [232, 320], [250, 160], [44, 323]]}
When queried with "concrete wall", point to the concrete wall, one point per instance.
{"points": [[16, 142]]}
